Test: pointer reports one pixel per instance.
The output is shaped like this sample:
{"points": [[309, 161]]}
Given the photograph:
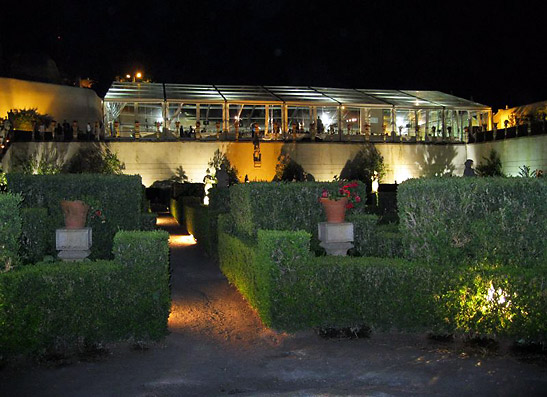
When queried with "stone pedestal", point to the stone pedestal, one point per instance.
{"points": [[336, 238], [73, 244]]}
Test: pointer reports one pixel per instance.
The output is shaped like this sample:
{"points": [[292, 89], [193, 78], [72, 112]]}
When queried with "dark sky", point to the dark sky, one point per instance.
{"points": [[493, 54]]}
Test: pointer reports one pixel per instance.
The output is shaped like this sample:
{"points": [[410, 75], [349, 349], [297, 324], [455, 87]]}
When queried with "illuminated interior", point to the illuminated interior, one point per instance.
{"points": [[277, 112]]}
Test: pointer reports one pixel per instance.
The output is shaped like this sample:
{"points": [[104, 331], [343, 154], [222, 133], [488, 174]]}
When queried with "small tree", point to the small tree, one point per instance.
{"points": [[288, 169], [491, 166], [367, 160], [94, 160], [25, 119], [217, 161]]}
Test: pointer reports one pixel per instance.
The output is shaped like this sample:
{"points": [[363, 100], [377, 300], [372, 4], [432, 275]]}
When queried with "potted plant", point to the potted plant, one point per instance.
{"points": [[75, 212], [338, 199]]}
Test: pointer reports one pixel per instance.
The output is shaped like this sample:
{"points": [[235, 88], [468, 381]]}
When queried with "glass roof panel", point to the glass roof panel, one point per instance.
{"points": [[446, 100], [318, 96], [235, 93], [399, 98], [348, 95], [300, 94], [192, 92], [135, 92]]}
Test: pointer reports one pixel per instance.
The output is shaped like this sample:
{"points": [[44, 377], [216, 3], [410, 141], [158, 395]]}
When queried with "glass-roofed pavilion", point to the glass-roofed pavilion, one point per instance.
{"points": [[228, 112]]}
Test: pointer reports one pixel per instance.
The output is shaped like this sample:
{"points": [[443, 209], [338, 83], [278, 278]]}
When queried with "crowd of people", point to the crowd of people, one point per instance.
{"points": [[54, 131]]}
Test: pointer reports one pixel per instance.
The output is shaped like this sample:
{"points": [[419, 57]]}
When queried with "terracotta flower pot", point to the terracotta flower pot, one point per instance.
{"points": [[75, 213], [335, 209]]}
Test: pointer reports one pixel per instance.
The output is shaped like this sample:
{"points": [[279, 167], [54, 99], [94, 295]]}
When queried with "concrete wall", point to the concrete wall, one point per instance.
{"points": [[514, 153], [160, 160], [61, 102]]}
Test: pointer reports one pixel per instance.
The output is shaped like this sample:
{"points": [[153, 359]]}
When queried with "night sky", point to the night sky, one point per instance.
{"points": [[495, 55]]}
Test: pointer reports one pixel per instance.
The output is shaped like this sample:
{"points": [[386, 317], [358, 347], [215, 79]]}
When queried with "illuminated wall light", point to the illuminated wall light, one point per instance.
{"points": [[182, 240], [165, 221]]}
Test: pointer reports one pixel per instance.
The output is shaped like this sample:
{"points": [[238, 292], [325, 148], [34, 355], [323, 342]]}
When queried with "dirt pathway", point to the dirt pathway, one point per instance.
{"points": [[218, 346]]}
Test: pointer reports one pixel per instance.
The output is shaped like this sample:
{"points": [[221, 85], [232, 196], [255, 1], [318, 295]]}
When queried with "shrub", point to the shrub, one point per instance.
{"points": [[491, 166], [287, 170], [452, 221], [367, 161], [219, 203], [36, 237], [236, 260], [365, 227], [140, 248], [148, 221], [119, 197], [176, 208], [10, 230], [278, 206], [220, 160], [88, 302], [188, 189], [292, 290], [372, 239], [196, 217]]}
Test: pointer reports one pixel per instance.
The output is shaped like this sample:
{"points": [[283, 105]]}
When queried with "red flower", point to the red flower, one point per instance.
{"points": [[349, 205], [325, 194], [98, 213], [357, 199]]}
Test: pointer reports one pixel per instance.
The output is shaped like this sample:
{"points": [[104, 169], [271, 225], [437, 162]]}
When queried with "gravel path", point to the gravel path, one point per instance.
{"points": [[218, 347]]}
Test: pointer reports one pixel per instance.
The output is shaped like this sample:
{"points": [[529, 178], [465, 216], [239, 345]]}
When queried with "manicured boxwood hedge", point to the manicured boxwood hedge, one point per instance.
{"points": [[278, 206], [10, 230], [55, 307], [293, 290], [148, 221], [36, 237], [196, 218], [120, 197], [176, 208], [201, 220], [453, 221], [372, 239]]}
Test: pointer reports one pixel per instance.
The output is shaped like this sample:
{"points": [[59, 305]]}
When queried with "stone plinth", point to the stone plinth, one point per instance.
{"points": [[336, 238], [73, 244]]}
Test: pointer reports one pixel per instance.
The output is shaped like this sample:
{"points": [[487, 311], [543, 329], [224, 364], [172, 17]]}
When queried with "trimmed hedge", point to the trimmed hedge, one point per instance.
{"points": [[120, 197], [372, 239], [219, 203], [10, 230], [176, 208], [148, 221], [36, 237], [293, 290], [187, 189], [278, 206], [52, 307], [453, 221], [196, 218], [200, 220]]}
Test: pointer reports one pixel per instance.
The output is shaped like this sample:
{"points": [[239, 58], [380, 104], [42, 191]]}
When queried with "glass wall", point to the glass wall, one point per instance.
{"points": [[247, 116], [327, 123], [146, 114]]}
